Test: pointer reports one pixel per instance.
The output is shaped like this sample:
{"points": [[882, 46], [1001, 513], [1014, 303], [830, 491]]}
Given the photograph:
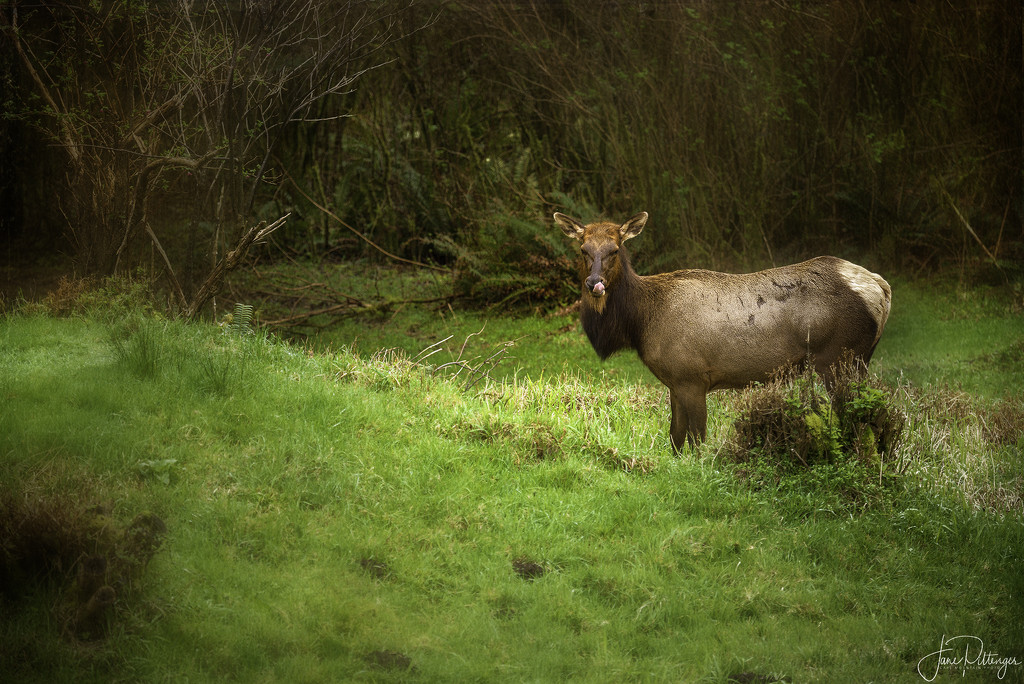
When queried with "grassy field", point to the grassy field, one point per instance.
{"points": [[363, 516], [938, 334]]}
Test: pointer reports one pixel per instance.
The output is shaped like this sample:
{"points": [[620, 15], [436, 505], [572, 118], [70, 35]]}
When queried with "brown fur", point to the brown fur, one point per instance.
{"points": [[699, 331]]}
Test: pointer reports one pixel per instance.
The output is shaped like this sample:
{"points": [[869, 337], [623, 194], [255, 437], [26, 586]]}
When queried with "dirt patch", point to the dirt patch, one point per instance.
{"points": [[528, 569], [389, 660], [377, 569]]}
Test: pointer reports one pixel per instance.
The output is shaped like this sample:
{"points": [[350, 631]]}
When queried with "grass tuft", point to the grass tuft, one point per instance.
{"points": [[138, 345], [965, 448]]}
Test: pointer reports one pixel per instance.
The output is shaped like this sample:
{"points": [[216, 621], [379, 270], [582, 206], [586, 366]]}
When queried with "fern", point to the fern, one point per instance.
{"points": [[241, 320], [573, 206]]}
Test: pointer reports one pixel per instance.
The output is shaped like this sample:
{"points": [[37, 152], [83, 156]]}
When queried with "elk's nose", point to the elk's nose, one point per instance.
{"points": [[595, 285]]}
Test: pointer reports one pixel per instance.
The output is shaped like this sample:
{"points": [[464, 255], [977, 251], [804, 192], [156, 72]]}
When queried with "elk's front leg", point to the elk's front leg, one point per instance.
{"points": [[689, 416]]}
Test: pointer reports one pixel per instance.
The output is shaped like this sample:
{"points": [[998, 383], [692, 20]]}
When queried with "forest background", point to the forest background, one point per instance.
{"points": [[155, 135]]}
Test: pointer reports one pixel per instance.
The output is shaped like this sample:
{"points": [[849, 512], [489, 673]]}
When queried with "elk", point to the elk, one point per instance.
{"points": [[699, 330]]}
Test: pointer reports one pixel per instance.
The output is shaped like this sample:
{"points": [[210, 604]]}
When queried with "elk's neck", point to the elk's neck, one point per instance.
{"points": [[620, 320]]}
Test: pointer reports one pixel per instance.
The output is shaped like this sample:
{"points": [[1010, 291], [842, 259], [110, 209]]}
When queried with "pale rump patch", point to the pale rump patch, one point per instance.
{"points": [[872, 289]]}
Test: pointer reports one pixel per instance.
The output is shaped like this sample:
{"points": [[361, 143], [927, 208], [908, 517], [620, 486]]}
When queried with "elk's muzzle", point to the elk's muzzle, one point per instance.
{"points": [[595, 284]]}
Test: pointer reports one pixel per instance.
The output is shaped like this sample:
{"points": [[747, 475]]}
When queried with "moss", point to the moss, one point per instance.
{"points": [[824, 433]]}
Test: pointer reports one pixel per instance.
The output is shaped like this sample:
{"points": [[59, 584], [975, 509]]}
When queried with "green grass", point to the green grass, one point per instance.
{"points": [[339, 516], [545, 343], [938, 333], [970, 339]]}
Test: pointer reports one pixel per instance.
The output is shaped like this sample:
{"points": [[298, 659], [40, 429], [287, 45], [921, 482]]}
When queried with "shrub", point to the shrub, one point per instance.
{"points": [[109, 299], [513, 261], [793, 431]]}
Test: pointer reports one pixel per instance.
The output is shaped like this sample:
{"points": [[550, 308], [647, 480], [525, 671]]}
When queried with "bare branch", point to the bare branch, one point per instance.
{"points": [[228, 263], [142, 193], [182, 301], [969, 229], [357, 233], [68, 134], [150, 118]]}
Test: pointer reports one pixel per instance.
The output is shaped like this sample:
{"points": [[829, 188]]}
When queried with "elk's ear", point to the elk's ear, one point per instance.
{"points": [[569, 226], [632, 227]]}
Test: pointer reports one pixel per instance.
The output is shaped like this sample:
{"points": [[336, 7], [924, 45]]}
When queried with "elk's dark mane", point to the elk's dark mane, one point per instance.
{"points": [[622, 323]]}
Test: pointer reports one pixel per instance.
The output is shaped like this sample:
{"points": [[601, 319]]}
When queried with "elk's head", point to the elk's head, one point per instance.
{"points": [[601, 264]]}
